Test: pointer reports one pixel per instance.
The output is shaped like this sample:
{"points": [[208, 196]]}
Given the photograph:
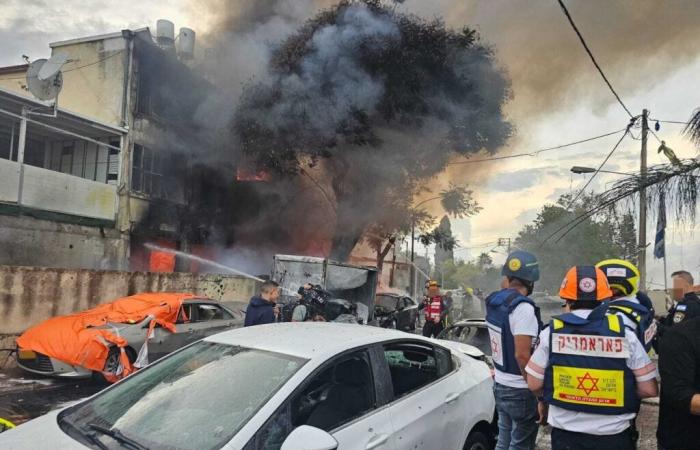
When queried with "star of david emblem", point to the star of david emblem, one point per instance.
{"points": [[587, 285], [587, 383]]}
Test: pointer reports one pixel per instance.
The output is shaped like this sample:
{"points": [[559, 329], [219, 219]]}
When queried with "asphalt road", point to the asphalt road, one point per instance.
{"points": [[24, 397]]}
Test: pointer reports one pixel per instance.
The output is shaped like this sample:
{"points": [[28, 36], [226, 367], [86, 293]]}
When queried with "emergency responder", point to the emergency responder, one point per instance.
{"points": [[433, 307], [688, 305], [623, 278], [514, 322], [591, 369], [679, 406]]}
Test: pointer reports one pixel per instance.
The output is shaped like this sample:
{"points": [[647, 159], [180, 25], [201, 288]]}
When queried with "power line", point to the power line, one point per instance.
{"points": [[590, 54], [669, 121], [537, 152], [475, 247], [590, 180], [76, 68]]}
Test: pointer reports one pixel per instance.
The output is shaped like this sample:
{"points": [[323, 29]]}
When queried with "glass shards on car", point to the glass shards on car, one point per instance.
{"points": [[473, 332], [185, 401]]}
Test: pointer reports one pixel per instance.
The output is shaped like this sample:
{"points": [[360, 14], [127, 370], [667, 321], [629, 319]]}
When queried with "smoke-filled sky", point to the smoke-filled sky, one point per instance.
{"points": [[649, 50]]}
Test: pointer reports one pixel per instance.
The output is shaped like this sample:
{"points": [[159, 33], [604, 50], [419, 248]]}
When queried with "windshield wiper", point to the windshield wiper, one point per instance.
{"points": [[88, 435], [117, 436]]}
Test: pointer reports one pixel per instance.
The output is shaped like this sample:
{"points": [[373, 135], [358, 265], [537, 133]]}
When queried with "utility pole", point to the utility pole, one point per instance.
{"points": [[504, 242], [642, 256]]}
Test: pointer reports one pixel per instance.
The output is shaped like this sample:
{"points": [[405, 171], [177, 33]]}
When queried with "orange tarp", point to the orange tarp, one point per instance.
{"points": [[71, 340]]}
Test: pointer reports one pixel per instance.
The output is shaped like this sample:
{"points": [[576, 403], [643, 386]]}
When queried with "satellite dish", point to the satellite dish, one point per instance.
{"points": [[52, 66], [44, 89]]}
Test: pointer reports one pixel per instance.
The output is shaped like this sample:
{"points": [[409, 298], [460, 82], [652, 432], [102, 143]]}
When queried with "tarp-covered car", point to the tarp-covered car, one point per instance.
{"points": [[110, 339]]}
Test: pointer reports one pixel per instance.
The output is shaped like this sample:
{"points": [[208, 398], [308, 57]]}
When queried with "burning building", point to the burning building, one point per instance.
{"points": [[117, 165]]}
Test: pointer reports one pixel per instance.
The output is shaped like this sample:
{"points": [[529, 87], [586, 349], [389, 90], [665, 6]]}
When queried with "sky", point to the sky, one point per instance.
{"points": [[645, 48]]}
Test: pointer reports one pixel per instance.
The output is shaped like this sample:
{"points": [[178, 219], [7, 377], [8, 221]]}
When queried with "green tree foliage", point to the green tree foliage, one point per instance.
{"points": [[603, 235], [474, 274]]}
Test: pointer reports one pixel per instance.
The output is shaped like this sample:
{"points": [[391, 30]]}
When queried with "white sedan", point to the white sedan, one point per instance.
{"points": [[291, 386]]}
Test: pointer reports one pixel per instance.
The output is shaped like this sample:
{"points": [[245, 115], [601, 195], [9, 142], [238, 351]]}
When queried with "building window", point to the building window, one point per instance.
{"points": [[147, 174], [85, 160]]}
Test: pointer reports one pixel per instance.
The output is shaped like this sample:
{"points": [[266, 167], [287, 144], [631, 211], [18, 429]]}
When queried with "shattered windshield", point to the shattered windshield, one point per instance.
{"points": [[386, 302], [198, 398]]}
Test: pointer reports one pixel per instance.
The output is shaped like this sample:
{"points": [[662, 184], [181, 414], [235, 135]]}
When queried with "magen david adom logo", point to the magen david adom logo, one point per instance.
{"points": [[587, 285], [514, 264]]}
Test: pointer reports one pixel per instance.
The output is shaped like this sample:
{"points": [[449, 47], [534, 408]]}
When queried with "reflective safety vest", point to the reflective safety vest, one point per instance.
{"points": [[499, 305], [433, 309], [637, 313], [587, 369]]}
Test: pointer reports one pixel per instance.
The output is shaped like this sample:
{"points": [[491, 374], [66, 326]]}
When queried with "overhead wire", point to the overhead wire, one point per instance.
{"points": [[76, 68], [537, 152], [590, 54], [669, 121], [590, 180]]}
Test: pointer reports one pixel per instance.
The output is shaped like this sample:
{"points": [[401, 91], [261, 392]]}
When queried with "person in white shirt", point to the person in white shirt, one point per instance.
{"points": [[591, 369], [513, 321]]}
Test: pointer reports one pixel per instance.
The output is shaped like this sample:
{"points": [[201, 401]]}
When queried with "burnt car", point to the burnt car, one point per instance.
{"points": [[473, 332], [110, 341], [395, 311]]}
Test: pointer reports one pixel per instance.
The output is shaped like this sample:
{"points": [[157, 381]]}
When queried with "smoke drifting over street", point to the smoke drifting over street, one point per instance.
{"points": [[294, 92]]}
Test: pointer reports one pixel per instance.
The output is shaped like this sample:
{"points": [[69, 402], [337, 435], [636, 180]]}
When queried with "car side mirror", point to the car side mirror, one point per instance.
{"points": [[309, 438]]}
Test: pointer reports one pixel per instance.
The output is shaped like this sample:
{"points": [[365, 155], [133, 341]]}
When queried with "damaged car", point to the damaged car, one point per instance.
{"points": [[115, 338], [396, 311], [289, 386]]}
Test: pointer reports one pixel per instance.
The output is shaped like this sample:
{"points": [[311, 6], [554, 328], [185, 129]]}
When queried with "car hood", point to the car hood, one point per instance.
{"points": [[42, 433]]}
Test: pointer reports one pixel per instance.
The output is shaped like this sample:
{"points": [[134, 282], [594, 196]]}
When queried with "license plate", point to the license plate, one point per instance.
{"points": [[27, 354]]}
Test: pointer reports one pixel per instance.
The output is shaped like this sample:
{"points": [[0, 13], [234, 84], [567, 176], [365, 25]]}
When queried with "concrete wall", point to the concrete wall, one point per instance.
{"points": [[29, 295], [29, 241]]}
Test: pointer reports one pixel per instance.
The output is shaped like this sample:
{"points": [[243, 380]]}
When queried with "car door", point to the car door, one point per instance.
{"points": [[410, 311], [425, 412], [210, 318], [343, 398], [165, 341]]}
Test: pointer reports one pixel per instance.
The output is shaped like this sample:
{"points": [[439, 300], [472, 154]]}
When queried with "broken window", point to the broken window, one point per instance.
{"points": [[338, 394], [412, 366]]}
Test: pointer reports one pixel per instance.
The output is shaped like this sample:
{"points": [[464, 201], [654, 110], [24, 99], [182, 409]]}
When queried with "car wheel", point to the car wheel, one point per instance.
{"points": [[477, 441], [112, 362]]}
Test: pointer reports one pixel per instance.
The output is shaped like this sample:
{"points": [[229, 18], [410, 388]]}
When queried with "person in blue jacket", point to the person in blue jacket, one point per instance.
{"points": [[262, 309], [514, 323]]}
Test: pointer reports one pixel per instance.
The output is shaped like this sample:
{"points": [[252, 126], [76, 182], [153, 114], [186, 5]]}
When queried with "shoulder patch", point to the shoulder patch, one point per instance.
{"points": [[678, 317], [681, 307]]}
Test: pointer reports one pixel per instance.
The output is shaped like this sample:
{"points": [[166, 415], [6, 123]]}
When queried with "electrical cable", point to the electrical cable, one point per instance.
{"points": [[75, 68], [571, 225], [590, 54], [590, 180], [474, 247], [537, 152], [669, 121]]}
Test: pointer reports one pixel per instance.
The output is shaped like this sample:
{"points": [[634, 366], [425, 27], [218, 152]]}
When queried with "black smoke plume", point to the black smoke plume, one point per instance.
{"points": [[376, 102]]}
